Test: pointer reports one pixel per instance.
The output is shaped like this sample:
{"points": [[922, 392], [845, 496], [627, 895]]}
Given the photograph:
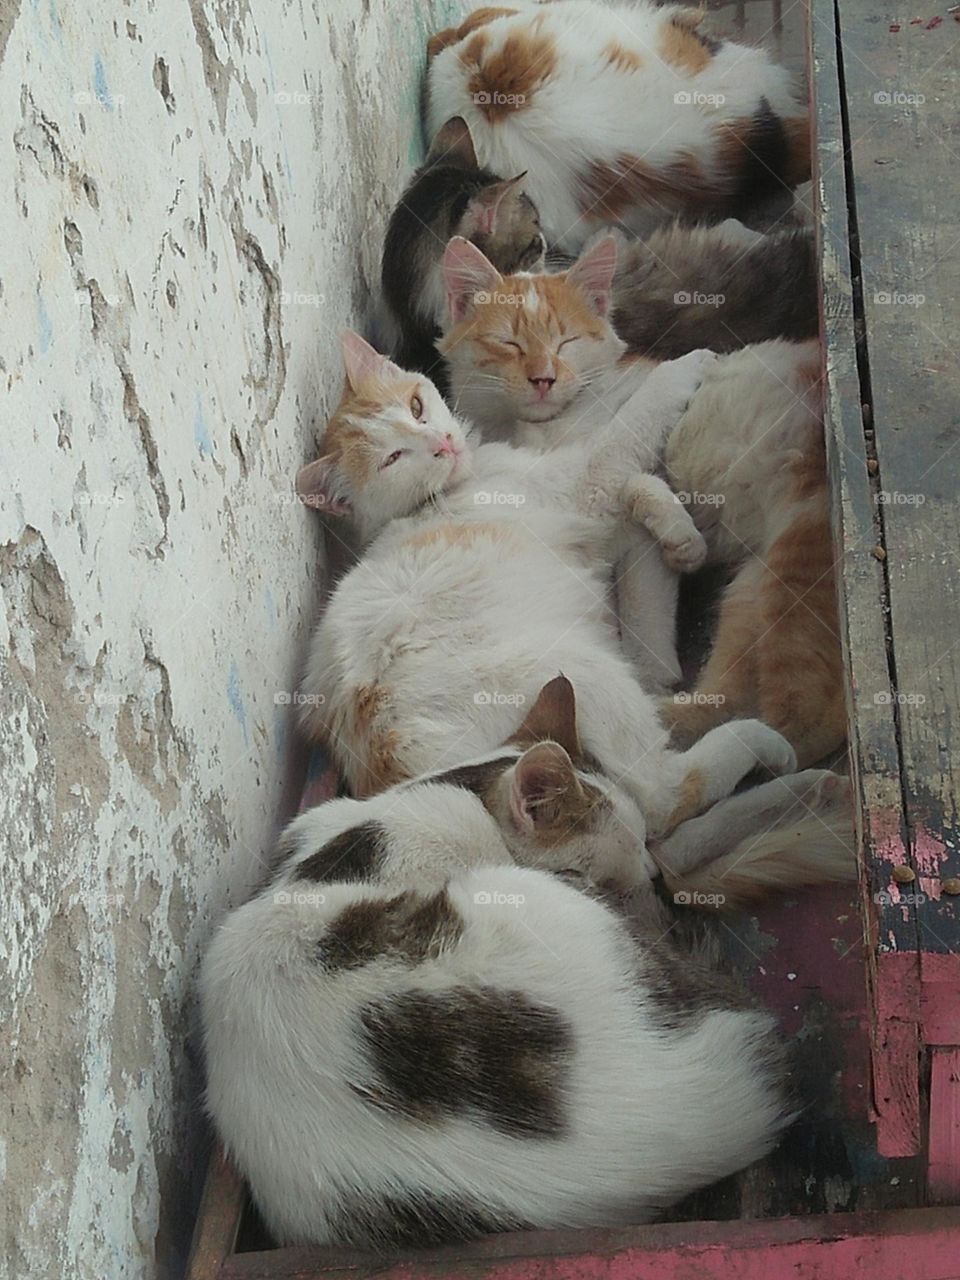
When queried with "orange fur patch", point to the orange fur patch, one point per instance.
{"points": [[681, 46], [374, 766], [453, 35], [690, 800], [621, 58], [506, 81], [347, 441], [461, 535]]}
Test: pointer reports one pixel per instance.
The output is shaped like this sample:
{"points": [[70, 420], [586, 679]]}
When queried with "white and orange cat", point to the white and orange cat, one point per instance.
{"points": [[486, 573], [534, 358], [619, 113]]}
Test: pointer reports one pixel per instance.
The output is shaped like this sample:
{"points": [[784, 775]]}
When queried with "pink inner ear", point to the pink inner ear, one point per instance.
{"points": [[317, 487], [466, 272], [594, 273], [362, 363]]}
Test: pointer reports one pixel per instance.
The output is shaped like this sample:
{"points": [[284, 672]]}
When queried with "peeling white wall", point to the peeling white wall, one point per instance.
{"points": [[193, 198]]}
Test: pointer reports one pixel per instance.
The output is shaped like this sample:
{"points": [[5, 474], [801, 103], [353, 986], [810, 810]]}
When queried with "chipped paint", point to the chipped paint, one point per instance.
{"points": [[157, 582]]}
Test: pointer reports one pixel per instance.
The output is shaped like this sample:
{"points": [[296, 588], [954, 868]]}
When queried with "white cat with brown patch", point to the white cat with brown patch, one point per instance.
{"points": [[626, 113], [399, 1053]]}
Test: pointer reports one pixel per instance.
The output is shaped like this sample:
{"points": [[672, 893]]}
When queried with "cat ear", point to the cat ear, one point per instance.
{"points": [[466, 272], [545, 788], [362, 363], [593, 273], [481, 215], [552, 717], [318, 484], [453, 144]]}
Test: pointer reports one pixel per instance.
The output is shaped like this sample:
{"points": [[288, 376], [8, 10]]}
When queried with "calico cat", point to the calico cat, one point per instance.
{"points": [[450, 194], [722, 287], [748, 453], [625, 113], [398, 1054], [488, 576]]}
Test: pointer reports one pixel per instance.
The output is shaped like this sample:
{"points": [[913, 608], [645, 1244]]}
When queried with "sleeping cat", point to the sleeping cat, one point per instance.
{"points": [[449, 195], [399, 1053], [625, 113], [748, 453], [488, 576], [721, 287]]}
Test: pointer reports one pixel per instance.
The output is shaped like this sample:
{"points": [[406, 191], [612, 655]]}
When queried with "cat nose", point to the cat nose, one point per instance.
{"points": [[445, 446], [542, 385]]}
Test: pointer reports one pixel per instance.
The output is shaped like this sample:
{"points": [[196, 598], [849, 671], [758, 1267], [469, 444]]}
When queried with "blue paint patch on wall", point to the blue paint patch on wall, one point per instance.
{"points": [[201, 435], [44, 327], [100, 84], [236, 701]]}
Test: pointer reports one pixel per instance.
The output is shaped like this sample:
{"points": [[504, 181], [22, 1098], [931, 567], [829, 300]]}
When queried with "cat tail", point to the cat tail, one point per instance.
{"points": [[814, 849]]}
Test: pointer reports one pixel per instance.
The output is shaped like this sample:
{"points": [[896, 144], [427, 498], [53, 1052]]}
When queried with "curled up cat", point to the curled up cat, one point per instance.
{"points": [[619, 113], [399, 1054]]}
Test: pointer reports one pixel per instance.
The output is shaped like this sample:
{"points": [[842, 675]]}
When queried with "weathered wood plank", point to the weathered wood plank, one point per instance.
{"points": [[903, 96], [874, 748], [907, 1244], [218, 1221]]}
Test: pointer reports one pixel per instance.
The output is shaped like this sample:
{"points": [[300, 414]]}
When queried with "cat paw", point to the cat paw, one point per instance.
{"points": [[769, 748], [684, 552], [822, 789]]}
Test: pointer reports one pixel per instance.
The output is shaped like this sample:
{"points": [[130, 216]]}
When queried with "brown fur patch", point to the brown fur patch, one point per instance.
{"points": [[553, 717], [453, 35], [494, 1054], [354, 854], [621, 58], [690, 800], [407, 927], [373, 764], [681, 46], [609, 189], [506, 81]]}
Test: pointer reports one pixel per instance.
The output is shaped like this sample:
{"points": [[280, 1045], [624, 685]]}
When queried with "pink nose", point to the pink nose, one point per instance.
{"points": [[543, 386], [445, 447]]}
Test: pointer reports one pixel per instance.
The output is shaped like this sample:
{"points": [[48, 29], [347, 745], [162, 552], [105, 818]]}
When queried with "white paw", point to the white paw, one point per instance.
{"points": [[687, 373], [821, 789], [769, 748], [684, 552]]}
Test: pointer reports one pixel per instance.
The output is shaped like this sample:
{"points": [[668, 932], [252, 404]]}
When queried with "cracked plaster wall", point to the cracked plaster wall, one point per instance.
{"points": [[194, 193]]}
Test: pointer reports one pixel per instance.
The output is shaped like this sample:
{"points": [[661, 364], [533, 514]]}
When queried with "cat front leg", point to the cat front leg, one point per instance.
{"points": [[713, 767], [646, 591], [650, 501], [752, 813]]}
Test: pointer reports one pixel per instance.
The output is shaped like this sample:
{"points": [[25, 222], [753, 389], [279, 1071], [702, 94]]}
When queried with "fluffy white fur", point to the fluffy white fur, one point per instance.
{"points": [[460, 612], [652, 1108], [588, 110]]}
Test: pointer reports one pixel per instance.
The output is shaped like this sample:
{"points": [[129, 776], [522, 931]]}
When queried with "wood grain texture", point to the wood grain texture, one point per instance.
{"points": [[903, 97], [944, 1168], [908, 1244], [218, 1221]]}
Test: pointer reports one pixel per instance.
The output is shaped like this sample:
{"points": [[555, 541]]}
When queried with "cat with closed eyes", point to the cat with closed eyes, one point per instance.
{"points": [[534, 359], [450, 194], [398, 1054], [621, 113]]}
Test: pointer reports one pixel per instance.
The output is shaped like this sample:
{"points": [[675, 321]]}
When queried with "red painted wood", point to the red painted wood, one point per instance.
{"points": [[940, 998], [896, 1053], [908, 1244], [943, 1178]]}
